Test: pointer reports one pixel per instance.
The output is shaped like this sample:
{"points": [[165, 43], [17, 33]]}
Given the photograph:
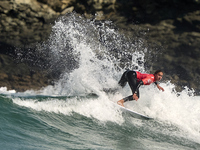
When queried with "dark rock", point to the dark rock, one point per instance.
{"points": [[170, 29]]}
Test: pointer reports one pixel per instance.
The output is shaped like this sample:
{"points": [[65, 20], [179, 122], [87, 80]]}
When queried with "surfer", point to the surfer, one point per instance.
{"points": [[135, 79]]}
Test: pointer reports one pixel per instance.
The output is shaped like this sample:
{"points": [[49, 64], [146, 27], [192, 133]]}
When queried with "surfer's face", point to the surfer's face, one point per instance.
{"points": [[158, 76]]}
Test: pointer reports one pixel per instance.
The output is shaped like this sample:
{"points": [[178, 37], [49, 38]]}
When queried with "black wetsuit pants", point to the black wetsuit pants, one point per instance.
{"points": [[130, 77]]}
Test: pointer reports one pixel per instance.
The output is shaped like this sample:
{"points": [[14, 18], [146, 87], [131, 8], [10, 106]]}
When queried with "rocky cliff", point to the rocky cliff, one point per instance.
{"points": [[171, 27]]}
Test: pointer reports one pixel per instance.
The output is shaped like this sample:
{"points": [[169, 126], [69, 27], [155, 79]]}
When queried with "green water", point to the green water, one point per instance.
{"points": [[27, 128]]}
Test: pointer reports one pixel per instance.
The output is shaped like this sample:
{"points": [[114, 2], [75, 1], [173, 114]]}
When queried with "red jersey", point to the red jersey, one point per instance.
{"points": [[146, 78]]}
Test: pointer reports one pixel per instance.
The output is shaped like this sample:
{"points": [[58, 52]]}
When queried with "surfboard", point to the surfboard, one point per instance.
{"points": [[133, 113]]}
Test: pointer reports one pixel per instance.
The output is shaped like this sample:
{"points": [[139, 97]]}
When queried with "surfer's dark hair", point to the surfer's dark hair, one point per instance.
{"points": [[157, 71]]}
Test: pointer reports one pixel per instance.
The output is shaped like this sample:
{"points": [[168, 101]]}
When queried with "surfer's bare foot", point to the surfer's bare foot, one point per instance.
{"points": [[121, 102]]}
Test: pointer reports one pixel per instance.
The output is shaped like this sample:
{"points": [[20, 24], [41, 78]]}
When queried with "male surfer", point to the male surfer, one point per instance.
{"points": [[135, 79]]}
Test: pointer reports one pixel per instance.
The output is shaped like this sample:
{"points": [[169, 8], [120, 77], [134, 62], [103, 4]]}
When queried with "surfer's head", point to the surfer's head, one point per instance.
{"points": [[158, 75]]}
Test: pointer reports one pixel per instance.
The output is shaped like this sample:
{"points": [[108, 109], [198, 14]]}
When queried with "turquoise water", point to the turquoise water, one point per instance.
{"points": [[25, 126], [77, 114]]}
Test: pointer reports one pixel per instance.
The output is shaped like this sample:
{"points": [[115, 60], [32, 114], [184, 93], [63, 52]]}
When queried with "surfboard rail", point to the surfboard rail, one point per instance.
{"points": [[133, 113]]}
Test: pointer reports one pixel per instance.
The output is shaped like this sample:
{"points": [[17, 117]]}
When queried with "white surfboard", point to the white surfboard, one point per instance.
{"points": [[133, 113]]}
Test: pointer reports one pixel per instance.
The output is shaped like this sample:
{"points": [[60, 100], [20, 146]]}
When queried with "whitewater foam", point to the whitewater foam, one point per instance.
{"points": [[4, 90], [99, 108], [93, 56]]}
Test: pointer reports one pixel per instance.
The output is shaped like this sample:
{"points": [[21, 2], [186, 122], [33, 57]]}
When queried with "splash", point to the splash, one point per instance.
{"points": [[91, 55], [4, 90], [178, 109]]}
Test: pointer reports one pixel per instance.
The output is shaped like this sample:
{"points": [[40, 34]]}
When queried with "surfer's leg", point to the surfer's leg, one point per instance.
{"points": [[128, 98], [138, 93], [122, 82], [132, 80], [131, 77], [122, 101]]}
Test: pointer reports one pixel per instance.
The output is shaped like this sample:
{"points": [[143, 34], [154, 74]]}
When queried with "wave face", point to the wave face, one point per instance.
{"points": [[76, 113]]}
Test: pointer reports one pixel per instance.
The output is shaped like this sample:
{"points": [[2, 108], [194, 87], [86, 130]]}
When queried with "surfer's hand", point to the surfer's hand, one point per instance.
{"points": [[160, 88], [135, 97]]}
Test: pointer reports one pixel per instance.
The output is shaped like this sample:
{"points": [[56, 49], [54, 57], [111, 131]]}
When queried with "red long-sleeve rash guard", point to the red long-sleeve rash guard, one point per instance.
{"points": [[146, 78]]}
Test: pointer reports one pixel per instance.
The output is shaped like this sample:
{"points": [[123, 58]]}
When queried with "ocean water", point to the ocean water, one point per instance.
{"points": [[76, 113]]}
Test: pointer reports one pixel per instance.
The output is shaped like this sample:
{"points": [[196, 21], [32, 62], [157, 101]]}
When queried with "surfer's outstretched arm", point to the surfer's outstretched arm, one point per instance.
{"points": [[159, 87]]}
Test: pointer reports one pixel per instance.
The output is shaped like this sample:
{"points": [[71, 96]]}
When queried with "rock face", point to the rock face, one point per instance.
{"points": [[18, 76], [170, 26], [23, 21]]}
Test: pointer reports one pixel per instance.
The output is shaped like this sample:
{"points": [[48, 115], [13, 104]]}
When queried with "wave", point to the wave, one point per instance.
{"points": [[92, 56], [71, 119]]}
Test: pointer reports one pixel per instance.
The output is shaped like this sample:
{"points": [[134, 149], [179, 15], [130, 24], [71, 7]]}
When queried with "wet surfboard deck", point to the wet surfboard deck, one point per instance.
{"points": [[133, 113]]}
